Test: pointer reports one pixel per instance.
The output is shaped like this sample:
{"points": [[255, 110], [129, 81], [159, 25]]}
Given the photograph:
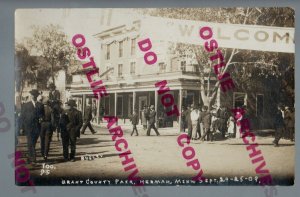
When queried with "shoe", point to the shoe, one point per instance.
{"points": [[66, 159], [45, 158], [73, 160], [137, 135], [276, 145], [93, 132]]}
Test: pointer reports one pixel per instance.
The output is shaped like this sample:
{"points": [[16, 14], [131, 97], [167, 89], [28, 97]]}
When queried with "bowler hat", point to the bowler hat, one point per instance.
{"points": [[34, 92], [71, 103]]}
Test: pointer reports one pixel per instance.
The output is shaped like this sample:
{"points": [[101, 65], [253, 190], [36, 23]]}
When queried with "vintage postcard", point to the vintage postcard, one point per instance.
{"points": [[155, 96]]}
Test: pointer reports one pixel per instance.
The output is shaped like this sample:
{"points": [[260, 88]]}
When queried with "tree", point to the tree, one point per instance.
{"points": [[25, 67], [247, 66], [51, 43]]}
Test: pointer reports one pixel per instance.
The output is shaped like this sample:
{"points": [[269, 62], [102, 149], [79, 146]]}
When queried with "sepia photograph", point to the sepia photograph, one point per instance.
{"points": [[155, 96]]}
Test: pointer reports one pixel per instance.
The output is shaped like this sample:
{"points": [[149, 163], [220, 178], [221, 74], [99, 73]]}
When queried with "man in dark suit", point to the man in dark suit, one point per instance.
{"points": [[70, 123], [134, 120], [88, 115], [222, 114], [54, 100], [205, 119], [46, 129], [31, 117], [278, 125], [81, 123], [152, 115]]}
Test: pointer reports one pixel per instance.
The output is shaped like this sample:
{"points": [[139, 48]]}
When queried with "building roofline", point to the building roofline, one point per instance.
{"points": [[115, 28]]}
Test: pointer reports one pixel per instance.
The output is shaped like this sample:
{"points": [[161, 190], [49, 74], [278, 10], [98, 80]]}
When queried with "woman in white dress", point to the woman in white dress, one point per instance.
{"points": [[231, 127]]}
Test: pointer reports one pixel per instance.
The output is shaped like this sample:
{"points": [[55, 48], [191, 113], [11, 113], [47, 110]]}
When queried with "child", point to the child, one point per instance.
{"points": [[134, 121], [231, 125]]}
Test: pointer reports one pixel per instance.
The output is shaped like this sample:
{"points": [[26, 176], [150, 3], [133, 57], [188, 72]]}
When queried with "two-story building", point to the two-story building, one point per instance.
{"points": [[130, 81]]}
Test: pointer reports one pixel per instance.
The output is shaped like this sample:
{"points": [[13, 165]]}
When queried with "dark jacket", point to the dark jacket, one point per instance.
{"points": [[31, 116], [135, 119], [205, 118], [151, 116], [71, 121], [289, 119], [54, 96], [80, 122], [278, 120], [88, 113], [47, 116], [188, 116]]}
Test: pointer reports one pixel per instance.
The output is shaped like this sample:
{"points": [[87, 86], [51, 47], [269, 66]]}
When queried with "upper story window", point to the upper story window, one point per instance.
{"points": [[132, 68], [108, 51], [133, 45], [120, 70], [183, 65], [195, 68], [162, 67], [121, 49]]}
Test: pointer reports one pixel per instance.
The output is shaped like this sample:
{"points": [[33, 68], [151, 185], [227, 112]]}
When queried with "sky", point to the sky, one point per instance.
{"points": [[73, 21]]}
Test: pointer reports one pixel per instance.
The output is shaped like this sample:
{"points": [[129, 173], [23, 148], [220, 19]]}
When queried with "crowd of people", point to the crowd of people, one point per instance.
{"points": [[41, 116], [202, 124]]}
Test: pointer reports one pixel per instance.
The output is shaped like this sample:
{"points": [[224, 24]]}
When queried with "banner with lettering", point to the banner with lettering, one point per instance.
{"points": [[250, 37]]}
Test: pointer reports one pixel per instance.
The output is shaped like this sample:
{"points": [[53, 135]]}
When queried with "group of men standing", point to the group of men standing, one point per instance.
{"points": [[40, 118], [148, 120], [199, 122], [284, 124]]}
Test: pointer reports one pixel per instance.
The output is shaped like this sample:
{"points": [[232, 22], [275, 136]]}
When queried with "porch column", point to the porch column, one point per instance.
{"points": [[98, 110], [156, 103], [180, 107], [115, 113], [83, 104], [133, 100]]}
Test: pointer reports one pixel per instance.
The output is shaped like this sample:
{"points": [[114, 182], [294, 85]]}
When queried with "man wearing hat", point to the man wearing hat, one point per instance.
{"points": [[54, 94], [278, 125], [88, 115], [46, 128], [31, 117], [70, 123], [134, 120], [152, 115], [222, 116], [54, 100]]}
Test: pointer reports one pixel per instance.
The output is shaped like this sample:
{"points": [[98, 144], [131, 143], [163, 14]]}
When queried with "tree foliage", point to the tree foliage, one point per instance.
{"points": [[25, 67], [51, 43], [249, 69]]}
